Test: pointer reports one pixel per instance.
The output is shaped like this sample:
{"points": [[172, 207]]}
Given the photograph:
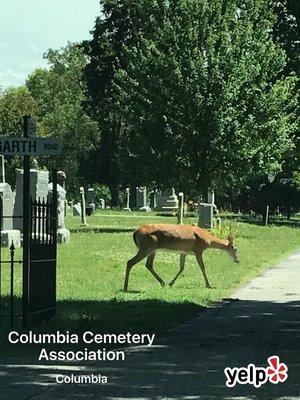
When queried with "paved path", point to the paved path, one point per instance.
{"points": [[262, 319]]}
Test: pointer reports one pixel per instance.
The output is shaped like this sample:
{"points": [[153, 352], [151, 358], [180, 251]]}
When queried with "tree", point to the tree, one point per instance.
{"points": [[14, 103], [188, 93], [59, 93], [208, 106]]}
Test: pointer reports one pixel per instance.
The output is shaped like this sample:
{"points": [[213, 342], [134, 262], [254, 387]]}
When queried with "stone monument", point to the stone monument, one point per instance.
{"points": [[63, 234], [141, 199], [169, 201], [8, 234], [39, 181], [127, 208], [90, 202]]}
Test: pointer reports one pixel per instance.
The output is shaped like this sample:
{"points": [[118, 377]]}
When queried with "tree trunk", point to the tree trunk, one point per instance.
{"points": [[114, 191]]}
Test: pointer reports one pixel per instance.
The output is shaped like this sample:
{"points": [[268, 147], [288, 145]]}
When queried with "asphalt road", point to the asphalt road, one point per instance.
{"points": [[260, 320]]}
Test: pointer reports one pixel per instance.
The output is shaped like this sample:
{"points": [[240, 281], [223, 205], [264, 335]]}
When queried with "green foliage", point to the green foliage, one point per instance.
{"points": [[59, 95], [14, 104], [101, 192], [203, 79]]}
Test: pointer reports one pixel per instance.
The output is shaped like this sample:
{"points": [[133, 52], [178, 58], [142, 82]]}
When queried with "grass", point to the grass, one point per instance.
{"points": [[91, 273]]}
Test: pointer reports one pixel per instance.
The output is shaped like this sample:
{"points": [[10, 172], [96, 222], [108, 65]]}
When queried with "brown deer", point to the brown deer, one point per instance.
{"points": [[186, 239]]}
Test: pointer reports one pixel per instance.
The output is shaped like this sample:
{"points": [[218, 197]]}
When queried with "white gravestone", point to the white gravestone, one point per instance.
{"points": [[63, 234], [39, 181], [141, 199], [169, 201]]}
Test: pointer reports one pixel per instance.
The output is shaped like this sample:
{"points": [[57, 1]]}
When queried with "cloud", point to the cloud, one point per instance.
{"points": [[3, 45]]}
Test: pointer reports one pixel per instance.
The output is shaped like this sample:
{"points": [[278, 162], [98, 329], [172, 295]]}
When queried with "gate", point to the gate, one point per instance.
{"points": [[38, 275]]}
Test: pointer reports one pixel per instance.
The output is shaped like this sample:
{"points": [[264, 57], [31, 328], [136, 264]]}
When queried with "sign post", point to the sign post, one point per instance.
{"points": [[26, 226], [26, 146]]}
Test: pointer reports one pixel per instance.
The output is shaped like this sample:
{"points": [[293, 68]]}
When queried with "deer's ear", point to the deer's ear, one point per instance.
{"points": [[230, 238]]}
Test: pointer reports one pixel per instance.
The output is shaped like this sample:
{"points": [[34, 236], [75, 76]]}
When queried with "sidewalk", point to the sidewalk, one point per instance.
{"points": [[261, 319]]}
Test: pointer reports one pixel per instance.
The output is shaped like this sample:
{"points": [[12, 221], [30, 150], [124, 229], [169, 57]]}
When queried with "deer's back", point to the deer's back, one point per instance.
{"points": [[169, 236]]}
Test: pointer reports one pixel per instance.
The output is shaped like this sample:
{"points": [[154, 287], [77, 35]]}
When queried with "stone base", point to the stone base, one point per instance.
{"points": [[145, 209], [63, 236], [11, 236]]}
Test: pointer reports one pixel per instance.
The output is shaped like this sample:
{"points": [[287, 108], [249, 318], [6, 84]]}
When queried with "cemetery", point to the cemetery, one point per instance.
{"points": [[164, 136]]}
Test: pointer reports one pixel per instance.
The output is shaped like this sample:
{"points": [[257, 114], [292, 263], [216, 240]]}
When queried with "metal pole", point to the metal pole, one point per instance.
{"points": [[12, 261], [26, 230], [54, 215], [1, 215]]}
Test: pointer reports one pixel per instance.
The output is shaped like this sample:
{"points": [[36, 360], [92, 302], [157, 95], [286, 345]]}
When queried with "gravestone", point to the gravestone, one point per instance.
{"points": [[141, 199], [8, 234], [169, 201], [102, 204], [63, 234], [127, 192], [205, 215], [211, 196], [39, 181], [90, 201], [157, 199], [7, 206], [61, 180], [77, 210]]}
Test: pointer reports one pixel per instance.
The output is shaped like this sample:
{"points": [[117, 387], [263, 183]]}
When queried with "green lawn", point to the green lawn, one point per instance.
{"points": [[91, 273]]}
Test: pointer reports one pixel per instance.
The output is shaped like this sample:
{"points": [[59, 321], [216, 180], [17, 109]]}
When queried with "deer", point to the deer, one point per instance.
{"points": [[185, 239]]}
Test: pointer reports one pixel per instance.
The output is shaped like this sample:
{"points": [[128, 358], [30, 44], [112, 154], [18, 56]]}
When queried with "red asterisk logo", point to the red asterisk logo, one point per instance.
{"points": [[277, 371]]}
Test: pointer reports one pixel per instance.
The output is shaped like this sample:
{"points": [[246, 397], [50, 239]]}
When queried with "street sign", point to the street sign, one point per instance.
{"points": [[30, 146]]}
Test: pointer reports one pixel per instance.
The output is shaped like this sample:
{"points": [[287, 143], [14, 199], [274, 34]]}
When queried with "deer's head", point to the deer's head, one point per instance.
{"points": [[232, 250]]}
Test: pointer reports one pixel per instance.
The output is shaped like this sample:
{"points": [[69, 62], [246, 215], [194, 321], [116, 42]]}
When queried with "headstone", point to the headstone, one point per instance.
{"points": [[205, 215], [90, 204], [7, 206], [169, 201], [141, 199], [158, 199], [77, 210], [211, 196], [11, 236], [63, 234], [83, 209], [61, 180], [102, 204], [127, 192], [39, 181]]}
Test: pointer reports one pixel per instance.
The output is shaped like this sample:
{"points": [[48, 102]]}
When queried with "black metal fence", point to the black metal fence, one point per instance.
{"points": [[35, 299]]}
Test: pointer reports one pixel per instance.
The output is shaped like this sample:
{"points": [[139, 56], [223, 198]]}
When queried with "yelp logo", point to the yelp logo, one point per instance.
{"points": [[275, 372]]}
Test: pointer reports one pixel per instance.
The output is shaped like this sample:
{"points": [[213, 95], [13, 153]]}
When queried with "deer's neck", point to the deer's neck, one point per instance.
{"points": [[217, 243]]}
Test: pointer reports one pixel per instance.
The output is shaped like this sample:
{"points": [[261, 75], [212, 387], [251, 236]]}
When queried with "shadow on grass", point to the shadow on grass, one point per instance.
{"points": [[111, 316], [293, 223], [188, 364]]}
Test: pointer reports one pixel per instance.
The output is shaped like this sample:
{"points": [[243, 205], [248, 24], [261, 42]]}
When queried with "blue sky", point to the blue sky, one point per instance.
{"points": [[29, 27]]}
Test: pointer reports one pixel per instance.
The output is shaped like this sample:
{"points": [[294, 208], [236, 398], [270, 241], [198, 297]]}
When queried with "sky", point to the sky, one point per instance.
{"points": [[28, 28]]}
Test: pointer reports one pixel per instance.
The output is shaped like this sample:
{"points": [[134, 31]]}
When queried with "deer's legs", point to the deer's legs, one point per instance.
{"points": [[201, 265], [137, 258], [149, 266], [182, 261]]}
